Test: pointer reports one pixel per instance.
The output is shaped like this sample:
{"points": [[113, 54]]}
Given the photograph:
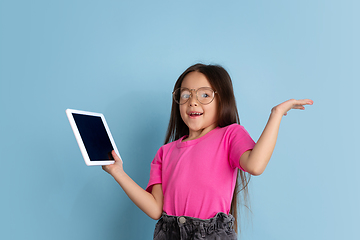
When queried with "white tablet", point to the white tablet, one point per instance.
{"points": [[93, 136]]}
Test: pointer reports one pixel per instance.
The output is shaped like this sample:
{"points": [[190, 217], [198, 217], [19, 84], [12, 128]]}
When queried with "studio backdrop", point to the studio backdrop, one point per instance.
{"points": [[122, 58]]}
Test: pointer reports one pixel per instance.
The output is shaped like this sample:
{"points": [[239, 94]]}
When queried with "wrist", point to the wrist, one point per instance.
{"points": [[275, 111], [118, 173]]}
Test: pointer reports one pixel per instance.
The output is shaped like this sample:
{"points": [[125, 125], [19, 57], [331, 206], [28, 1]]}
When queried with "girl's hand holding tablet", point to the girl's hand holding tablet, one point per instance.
{"points": [[117, 166]]}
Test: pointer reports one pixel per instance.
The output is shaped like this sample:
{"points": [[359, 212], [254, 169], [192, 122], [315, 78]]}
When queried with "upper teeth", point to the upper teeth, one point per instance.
{"points": [[195, 113]]}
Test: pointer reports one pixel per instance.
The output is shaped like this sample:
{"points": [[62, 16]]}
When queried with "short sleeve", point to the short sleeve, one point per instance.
{"points": [[155, 171], [240, 141]]}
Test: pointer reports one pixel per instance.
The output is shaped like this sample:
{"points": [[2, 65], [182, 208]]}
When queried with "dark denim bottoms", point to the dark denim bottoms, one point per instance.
{"points": [[183, 228]]}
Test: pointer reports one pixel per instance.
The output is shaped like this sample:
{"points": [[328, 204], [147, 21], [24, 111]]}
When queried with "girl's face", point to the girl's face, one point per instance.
{"points": [[199, 118]]}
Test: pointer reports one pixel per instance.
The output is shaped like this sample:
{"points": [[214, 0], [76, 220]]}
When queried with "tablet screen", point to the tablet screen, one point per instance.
{"points": [[94, 136]]}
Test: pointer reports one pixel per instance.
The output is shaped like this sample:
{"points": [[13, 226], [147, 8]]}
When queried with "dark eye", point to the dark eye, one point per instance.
{"points": [[205, 95]]}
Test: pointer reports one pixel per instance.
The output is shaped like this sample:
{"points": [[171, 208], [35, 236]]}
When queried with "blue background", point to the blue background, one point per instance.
{"points": [[122, 58]]}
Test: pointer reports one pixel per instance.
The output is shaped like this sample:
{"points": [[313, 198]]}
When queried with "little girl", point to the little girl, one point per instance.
{"points": [[194, 177]]}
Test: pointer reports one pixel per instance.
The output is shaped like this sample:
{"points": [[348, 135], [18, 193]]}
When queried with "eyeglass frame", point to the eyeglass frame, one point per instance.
{"points": [[195, 90]]}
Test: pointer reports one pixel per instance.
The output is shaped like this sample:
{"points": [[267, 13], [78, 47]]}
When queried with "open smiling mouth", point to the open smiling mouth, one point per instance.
{"points": [[195, 114]]}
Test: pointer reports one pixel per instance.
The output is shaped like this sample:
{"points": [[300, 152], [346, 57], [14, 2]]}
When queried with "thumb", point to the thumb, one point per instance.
{"points": [[115, 156]]}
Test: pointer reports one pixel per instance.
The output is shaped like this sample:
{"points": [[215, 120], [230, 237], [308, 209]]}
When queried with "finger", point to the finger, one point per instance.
{"points": [[301, 107], [115, 156], [105, 168], [304, 102]]}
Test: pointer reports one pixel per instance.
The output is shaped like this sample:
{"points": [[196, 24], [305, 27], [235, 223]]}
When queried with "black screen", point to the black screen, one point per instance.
{"points": [[94, 136]]}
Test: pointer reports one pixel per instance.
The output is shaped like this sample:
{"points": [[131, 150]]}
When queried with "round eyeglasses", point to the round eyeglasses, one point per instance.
{"points": [[204, 95]]}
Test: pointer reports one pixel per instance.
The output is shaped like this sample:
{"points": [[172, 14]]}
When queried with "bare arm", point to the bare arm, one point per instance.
{"points": [[256, 160], [149, 203]]}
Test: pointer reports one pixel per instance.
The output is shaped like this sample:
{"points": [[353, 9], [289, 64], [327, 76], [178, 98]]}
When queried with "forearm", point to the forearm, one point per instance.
{"points": [[263, 149], [255, 161], [147, 202]]}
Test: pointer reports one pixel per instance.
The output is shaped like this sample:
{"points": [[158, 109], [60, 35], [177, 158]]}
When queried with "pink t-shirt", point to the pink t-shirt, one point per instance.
{"points": [[198, 176]]}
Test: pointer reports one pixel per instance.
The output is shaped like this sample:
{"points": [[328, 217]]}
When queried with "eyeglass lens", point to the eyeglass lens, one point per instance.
{"points": [[204, 95]]}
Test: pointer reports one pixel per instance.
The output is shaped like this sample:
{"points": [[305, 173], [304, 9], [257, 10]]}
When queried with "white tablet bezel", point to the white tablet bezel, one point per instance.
{"points": [[80, 142]]}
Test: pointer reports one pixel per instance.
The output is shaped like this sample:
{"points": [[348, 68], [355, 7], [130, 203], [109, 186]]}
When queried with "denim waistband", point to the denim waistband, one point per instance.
{"points": [[220, 221]]}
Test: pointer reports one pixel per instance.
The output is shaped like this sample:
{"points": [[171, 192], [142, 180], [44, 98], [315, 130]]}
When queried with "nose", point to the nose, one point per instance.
{"points": [[193, 100]]}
